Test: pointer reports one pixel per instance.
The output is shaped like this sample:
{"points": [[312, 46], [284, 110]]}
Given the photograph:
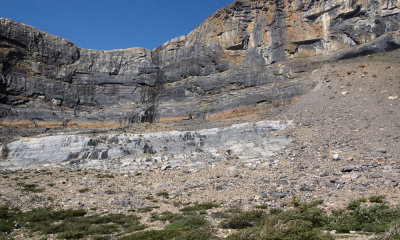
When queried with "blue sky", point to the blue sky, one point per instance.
{"points": [[112, 24]]}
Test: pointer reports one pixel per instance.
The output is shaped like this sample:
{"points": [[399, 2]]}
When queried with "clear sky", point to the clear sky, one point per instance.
{"points": [[112, 24]]}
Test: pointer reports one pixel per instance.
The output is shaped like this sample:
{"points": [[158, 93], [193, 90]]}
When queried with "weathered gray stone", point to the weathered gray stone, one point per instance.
{"points": [[381, 150], [237, 58], [277, 195], [347, 169], [167, 149]]}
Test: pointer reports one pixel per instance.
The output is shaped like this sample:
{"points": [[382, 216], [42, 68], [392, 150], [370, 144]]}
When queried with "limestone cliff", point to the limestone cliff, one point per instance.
{"points": [[249, 54]]}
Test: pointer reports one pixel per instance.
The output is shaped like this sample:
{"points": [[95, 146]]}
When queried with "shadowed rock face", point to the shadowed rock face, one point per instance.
{"points": [[247, 53]]}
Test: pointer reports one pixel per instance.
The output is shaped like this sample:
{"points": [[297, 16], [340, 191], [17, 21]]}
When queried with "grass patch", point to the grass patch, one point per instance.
{"points": [[242, 219], [376, 199], [262, 206], [356, 204], [163, 194], [150, 198], [182, 226], [72, 235], [30, 188], [154, 235], [200, 207], [84, 190], [105, 176], [146, 209], [177, 203]]}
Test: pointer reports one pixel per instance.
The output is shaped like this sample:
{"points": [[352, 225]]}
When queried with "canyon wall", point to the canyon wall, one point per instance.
{"points": [[247, 55]]}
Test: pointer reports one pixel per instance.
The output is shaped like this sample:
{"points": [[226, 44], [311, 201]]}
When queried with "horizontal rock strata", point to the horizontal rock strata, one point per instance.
{"points": [[126, 152], [243, 55]]}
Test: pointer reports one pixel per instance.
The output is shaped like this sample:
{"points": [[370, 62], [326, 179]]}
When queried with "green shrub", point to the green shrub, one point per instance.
{"points": [[84, 190], [369, 219], [200, 207], [242, 220], [355, 204], [166, 216], [262, 206], [104, 229], [163, 194], [393, 233], [31, 188], [105, 176], [154, 235], [71, 235], [376, 199]]}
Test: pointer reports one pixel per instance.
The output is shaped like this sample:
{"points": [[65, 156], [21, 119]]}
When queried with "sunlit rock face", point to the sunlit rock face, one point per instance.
{"points": [[248, 53], [248, 142]]}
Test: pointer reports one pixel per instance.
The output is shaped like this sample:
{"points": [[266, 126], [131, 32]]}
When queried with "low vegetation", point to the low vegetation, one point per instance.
{"points": [[84, 190], [66, 224], [200, 207], [105, 176], [30, 188], [299, 221]]}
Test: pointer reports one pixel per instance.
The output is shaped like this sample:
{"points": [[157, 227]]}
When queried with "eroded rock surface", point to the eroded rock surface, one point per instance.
{"points": [[242, 56], [248, 142]]}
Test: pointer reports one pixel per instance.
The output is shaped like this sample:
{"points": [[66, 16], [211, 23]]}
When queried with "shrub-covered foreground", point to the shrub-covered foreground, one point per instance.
{"points": [[302, 221], [66, 224]]}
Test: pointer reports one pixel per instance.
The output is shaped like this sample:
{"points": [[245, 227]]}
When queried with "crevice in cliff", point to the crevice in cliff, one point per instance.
{"points": [[344, 16], [313, 17], [3, 92], [12, 42], [276, 34], [308, 42]]}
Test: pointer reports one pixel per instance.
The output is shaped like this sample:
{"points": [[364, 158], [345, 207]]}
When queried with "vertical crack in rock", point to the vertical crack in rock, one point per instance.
{"points": [[277, 35]]}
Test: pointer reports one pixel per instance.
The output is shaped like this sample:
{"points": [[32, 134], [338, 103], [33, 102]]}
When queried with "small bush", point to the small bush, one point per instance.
{"points": [[105, 176], [295, 202], [146, 209], [242, 220], [149, 197], [71, 235], [376, 199], [31, 188], [84, 190], [177, 203], [393, 233], [200, 207], [6, 220], [155, 235], [262, 206], [376, 219], [104, 229], [163, 194], [166, 216], [188, 222], [355, 204]]}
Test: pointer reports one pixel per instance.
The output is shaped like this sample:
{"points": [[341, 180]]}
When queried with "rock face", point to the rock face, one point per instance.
{"points": [[248, 53], [125, 152]]}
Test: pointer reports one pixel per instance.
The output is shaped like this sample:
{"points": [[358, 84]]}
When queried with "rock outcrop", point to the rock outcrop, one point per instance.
{"points": [[126, 152], [249, 54]]}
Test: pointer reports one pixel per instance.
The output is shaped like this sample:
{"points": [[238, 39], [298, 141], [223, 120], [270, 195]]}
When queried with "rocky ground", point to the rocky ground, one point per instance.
{"points": [[346, 145]]}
